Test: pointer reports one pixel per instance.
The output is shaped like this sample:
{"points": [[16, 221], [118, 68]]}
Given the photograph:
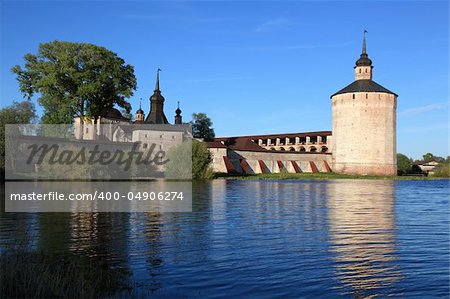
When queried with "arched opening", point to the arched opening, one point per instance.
{"points": [[302, 149], [282, 149], [324, 149], [291, 149], [272, 148], [313, 149]]}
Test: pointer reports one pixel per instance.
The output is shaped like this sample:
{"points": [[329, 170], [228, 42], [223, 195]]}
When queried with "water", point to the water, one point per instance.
{"points": [[265, 239]]}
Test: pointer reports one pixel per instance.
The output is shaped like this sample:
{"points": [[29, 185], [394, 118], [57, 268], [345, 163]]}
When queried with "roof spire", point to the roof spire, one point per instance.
{"points": [[157, 80], [140, 103], [178, 104], [364, 43], [364, 59]]}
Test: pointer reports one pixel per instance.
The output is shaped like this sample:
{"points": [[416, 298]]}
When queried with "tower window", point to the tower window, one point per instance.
{"points": [[367, 96], [360, 71], [366, 70], [353, 96]]}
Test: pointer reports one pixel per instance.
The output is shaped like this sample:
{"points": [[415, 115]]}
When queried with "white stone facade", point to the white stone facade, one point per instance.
{"points": [[364, 133]]}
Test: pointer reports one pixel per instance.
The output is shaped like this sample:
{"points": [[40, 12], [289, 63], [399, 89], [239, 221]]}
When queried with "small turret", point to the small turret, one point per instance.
{"points": [[178, 118], [363, 67], [140, 113]]}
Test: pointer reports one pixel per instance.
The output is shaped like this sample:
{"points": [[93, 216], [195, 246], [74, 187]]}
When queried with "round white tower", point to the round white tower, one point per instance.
{"points": [[364, 124]]}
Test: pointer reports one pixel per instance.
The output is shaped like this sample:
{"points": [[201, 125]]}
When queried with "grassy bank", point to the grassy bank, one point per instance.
{"points": [[43, 275], [318, 176]]}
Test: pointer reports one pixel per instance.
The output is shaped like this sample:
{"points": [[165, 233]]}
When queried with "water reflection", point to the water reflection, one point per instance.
{"points": [[362, 232], [285, 239]]}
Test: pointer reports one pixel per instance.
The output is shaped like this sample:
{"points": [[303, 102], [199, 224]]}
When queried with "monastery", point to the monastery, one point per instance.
{"points": [[362, 140]]}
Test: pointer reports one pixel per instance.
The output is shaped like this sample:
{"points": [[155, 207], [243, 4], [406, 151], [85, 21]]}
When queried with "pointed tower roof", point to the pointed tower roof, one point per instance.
{"points": [[157, 80], [140, 111], [178, 111], [364, 59], [156, 114]]}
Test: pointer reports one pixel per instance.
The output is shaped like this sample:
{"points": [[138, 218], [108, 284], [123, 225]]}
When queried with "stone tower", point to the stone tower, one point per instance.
{"points": [[156, 115], [364, 124]]}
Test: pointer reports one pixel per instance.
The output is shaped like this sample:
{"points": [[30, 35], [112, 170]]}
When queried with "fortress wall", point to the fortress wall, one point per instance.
{"points": [[270, 160]]}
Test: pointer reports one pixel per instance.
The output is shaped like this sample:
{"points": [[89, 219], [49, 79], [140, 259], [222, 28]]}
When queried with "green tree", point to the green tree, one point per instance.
{"points": [[430, 157], [76, 79], [403, 164], [201, 160], [18, 113], [443, 169], [201, 126]]}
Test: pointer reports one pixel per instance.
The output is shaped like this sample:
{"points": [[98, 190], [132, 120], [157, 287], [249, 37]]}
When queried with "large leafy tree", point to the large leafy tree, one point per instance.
{"points": [[76, 79], [201, 126]]}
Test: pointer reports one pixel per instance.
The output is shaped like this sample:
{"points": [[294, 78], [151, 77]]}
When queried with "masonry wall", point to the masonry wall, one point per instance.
{"points": [[364, 133], [270, 160]]}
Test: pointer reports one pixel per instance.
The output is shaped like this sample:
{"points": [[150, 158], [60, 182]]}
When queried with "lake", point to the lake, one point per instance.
{"points": [[266, 239]]}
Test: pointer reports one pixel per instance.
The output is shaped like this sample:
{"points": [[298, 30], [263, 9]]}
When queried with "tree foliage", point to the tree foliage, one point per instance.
{"points": [[201, 126], [201, 160], [18, 113], [403, 164], [75, 79], [428, 157]]}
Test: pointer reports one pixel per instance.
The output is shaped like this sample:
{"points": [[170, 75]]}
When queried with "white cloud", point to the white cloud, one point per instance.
{"points": [[422, 109], [274, 25]]}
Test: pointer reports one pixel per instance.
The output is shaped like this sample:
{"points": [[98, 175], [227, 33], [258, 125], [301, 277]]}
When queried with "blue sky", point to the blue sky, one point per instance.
{"points": [[256, 67]]}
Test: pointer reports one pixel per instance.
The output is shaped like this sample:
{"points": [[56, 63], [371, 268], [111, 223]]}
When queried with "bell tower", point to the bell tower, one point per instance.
{"points": [[156, 115]]}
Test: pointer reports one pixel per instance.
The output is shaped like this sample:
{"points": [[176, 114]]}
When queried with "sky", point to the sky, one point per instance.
{"points": [[255, 67]]}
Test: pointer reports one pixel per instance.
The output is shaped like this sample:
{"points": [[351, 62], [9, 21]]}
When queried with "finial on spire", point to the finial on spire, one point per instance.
{"points": [[140, 103], [157, 80], [364, 43], [178, 105]]}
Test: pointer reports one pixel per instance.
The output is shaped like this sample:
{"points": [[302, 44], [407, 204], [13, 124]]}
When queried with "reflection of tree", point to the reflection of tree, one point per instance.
{"points": [[362, 220], [154, 248], [54, 232]]}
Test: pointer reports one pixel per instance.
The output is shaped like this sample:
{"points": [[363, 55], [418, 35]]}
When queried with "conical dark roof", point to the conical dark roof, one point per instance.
{"points": [[365, 85]]}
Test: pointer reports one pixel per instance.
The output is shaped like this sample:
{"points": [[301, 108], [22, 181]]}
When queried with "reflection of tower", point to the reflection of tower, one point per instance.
{"points": [[362, 224]]}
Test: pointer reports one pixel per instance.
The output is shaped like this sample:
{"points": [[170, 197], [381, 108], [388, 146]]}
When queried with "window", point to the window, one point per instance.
{"points": [[367, 96], [353, 96], [144, 145], [87, 130], [160, 136], [360, 71], [145, 135]]}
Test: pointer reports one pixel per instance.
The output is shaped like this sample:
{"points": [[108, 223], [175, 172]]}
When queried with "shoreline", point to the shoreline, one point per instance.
{"points": [[321, 176]]}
